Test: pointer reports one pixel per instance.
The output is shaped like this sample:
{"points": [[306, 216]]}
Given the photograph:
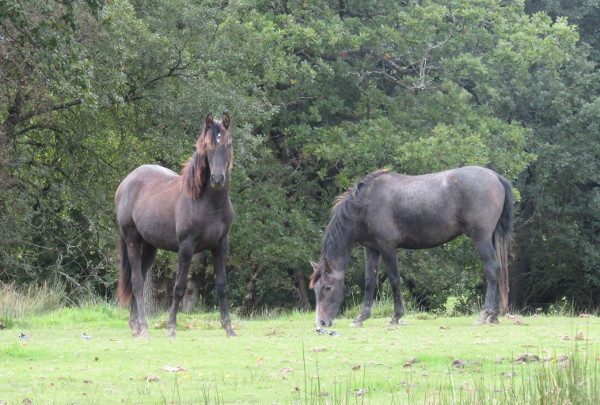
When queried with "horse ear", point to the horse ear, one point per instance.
{"points": [[315, 266], [316, 274], [209, 120], [226, 120]]}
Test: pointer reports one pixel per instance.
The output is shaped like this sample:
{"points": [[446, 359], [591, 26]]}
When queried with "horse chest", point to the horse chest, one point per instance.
{"points": [[206, 232]]}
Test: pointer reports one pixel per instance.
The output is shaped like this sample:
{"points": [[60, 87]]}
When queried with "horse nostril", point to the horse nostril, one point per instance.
{"points": [[218, 179], [322, 323]]}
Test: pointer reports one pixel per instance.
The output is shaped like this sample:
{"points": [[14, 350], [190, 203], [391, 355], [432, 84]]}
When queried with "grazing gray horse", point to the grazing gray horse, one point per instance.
{"points": [[187, 213], [385, 211]]}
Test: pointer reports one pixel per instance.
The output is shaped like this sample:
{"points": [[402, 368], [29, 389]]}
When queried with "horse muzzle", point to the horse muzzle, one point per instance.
{"points": [[217, 181]]}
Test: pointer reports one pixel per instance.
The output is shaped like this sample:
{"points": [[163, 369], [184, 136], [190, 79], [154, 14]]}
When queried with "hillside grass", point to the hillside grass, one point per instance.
{"points": [[283, 360]]}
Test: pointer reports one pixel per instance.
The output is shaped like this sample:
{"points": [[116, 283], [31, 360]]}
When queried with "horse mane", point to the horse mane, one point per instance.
{"points": [[340, 231], [196, 171]]}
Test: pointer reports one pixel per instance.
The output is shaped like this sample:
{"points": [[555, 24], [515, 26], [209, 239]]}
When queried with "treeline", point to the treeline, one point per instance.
{"points": [[320, 93]]}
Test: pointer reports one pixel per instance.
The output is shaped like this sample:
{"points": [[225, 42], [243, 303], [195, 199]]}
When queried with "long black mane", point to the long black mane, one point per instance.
{"points": [[341, 231]]}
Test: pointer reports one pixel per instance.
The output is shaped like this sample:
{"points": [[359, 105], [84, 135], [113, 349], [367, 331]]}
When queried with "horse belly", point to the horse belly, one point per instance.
{"points": [[414, 228], [427, 238], [157, 231]]}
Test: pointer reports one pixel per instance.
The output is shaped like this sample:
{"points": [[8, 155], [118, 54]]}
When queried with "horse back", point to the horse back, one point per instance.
{"points": [[428, 210], [146, 201]]}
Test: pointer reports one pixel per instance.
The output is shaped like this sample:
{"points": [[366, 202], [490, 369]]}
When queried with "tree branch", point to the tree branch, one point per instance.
{"points": [[48, 108]]}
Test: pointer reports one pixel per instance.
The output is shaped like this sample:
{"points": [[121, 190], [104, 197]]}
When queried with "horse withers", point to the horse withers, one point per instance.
{"points": [[385, 211], [188, 213]]}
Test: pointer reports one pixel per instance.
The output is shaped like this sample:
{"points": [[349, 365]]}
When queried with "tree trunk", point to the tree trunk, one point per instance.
{"points": [[300, 285], [196, 281], [150, 301], [249, 298]]}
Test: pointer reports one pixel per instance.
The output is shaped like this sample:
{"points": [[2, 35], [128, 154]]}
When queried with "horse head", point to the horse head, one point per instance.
{"points": [[215, 144], [328, 283]]}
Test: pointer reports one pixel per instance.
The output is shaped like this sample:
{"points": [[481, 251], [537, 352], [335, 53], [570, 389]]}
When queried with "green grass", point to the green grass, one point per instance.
{"points": [[282, 360]]}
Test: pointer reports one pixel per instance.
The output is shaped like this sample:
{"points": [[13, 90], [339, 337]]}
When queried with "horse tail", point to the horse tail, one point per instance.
{"points": [[124, 292], [503, 241]]}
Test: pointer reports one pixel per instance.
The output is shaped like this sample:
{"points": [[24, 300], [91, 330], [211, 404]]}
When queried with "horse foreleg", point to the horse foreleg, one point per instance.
{"points": [[371, 264], [491, 304], [184, 257], [218, 257], [391, 263]]}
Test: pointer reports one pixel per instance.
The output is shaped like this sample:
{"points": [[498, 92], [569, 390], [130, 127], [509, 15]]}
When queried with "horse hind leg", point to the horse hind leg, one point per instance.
{"points": [[148, 255], [485, 249], [133, 319], [138, 313], [371, 265], [391, 262]]}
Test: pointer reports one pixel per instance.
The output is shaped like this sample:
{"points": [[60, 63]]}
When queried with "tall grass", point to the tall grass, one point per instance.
{"points": [[18, 303], [573, 379]]}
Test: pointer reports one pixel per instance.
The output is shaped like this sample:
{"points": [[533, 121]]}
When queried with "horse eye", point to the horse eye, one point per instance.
{"points": [[328, 288]]}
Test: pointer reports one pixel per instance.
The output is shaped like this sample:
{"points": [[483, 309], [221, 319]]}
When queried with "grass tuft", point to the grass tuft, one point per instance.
{"points": [[35, 300]]}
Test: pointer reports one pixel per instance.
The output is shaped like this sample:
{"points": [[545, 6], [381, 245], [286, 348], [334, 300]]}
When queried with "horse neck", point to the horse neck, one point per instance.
{"points": [[216, 198], [339, 251]]}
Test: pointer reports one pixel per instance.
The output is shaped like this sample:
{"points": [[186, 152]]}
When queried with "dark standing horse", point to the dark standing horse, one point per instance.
{"points": [[159, 209], [386, 211]]}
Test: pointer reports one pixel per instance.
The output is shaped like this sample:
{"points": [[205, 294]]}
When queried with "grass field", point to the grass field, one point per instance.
{"points": [[282, 360]]}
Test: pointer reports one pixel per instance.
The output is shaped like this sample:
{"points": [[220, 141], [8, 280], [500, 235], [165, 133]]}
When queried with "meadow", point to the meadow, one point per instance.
{"points": [[279, 358]]}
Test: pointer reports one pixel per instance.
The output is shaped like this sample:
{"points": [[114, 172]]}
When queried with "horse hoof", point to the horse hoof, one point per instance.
{"points": [[142, 335], [397, 322], [231, 333], [356, 324], [171, 333]]}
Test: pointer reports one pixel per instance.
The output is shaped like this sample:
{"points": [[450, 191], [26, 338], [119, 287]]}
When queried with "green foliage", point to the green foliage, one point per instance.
{"points": [[321, 93]]}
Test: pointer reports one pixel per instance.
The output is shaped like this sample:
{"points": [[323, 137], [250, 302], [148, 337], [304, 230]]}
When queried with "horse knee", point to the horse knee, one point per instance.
{"points": [[221, 287], [492, 272], [179, 290]]}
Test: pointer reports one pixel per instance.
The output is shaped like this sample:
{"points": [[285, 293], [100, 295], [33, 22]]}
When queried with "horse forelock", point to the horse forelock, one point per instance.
{"points": [[211, 136]]}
